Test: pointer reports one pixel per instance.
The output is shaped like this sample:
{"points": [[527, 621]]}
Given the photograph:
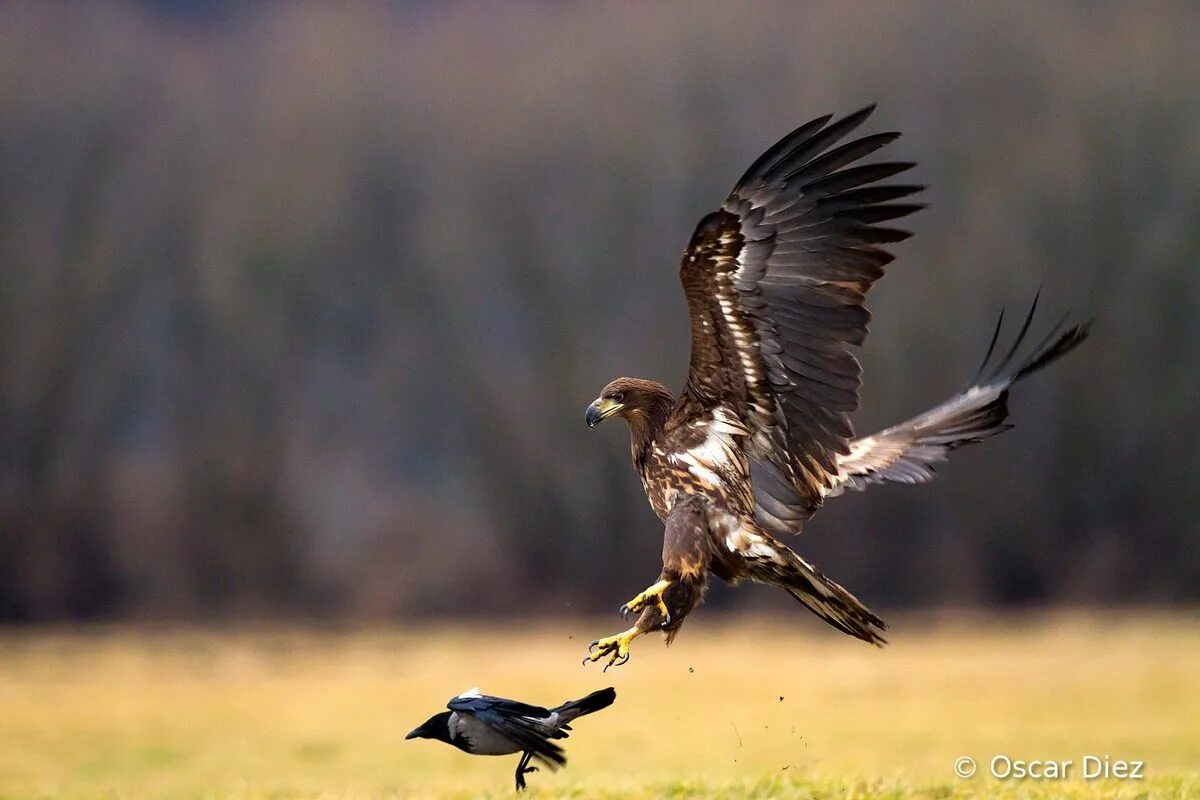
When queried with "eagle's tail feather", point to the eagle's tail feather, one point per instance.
{"points": [[824, 597], [832, 603]]}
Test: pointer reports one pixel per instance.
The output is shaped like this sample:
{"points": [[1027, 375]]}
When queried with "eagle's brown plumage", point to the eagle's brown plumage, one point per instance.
{"points": [[775, 282]]}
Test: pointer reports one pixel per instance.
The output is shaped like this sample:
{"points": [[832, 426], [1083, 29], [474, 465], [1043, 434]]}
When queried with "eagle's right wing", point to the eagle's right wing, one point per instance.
{"points": [[906, 453], [775, 282]]}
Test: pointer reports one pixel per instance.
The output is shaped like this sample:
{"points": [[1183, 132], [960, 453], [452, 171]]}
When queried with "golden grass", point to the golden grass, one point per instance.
{"points": [[733, 709]]}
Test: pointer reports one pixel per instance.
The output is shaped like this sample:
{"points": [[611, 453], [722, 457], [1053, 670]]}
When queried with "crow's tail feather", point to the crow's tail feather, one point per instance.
{"points": [[573, 709]]}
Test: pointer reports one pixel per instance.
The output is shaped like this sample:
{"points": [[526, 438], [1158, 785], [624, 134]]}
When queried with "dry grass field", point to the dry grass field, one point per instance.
{"points": [[731, 710]]}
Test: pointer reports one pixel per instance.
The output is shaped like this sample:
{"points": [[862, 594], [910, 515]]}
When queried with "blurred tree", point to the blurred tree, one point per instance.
{"points": [[300, 307]]}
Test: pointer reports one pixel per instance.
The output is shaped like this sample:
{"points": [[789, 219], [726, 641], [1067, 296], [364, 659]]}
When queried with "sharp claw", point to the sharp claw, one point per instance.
{"points": [[666, 620], [595, 643], [624, 611], [531, 769], [617, 661]]}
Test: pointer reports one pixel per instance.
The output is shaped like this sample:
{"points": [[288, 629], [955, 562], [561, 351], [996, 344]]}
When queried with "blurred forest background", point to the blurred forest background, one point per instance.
{"points": [[301, 306]]}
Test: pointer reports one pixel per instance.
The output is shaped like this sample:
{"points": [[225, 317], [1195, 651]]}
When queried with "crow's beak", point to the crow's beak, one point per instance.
{"points": [[601, 410], [414, 734]]}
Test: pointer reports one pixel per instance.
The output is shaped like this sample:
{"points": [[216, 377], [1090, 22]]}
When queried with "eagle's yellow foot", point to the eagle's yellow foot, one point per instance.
{"points": [[654, 593], [616, 648]]}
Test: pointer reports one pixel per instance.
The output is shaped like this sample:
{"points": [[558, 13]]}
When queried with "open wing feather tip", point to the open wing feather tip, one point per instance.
{"points": [[907, 453], [775, 282]]}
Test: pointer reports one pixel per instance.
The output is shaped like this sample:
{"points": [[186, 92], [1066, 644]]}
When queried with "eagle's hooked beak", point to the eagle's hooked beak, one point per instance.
{"points": [[600, 410]]}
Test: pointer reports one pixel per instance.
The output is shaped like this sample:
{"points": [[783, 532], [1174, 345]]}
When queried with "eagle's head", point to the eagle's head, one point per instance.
{"points": [[638, 400]]}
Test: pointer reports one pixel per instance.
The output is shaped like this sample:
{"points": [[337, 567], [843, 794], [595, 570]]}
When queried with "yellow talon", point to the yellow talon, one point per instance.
{"points": [[655, 593], [615, 647]]}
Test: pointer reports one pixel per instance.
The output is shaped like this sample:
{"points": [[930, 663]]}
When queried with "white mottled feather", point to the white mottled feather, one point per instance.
{"points": [[716, 455]]}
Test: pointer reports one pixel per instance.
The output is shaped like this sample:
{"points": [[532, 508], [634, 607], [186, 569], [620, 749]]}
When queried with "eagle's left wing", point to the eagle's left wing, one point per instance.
{"points": [[906, 453], [775, 282]]}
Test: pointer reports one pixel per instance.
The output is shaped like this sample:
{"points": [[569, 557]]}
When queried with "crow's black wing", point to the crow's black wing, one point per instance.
{"points": [[518, 721], [475, 703]]}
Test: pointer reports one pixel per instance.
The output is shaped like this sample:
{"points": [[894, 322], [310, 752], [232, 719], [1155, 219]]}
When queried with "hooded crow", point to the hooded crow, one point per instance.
{"points": [[492, 726]]}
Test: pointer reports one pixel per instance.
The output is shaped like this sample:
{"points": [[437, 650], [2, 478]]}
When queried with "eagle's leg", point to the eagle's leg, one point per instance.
{"points": [[680, 585], [523, 768], [655, 594], [615, 647]]}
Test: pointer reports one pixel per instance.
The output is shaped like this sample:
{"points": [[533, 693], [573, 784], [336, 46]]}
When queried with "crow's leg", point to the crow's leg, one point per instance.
{"points": [[523, 768]]}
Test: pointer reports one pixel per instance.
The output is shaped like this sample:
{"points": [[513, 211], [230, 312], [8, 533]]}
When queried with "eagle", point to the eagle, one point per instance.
{"points": [[760, 436]]}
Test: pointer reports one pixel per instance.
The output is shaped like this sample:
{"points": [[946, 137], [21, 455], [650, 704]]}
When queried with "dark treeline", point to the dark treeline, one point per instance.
{"points": [[300, 309]]}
